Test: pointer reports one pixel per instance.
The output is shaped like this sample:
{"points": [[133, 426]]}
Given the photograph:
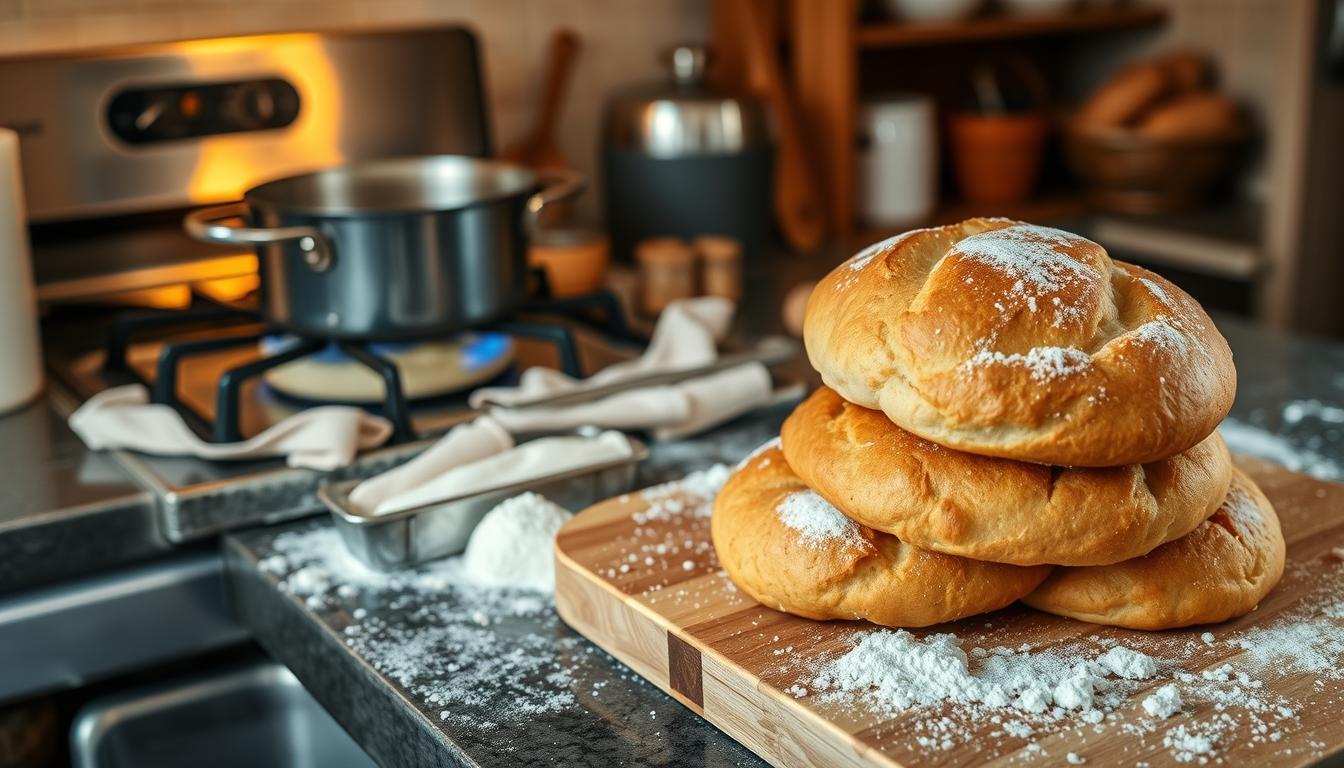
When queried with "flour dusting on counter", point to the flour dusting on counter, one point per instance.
{"points": [[451, 644], [1243, 437]]}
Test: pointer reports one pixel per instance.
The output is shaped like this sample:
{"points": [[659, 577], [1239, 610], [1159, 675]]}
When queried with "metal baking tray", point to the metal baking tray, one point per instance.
{"points": [[399, 539]]}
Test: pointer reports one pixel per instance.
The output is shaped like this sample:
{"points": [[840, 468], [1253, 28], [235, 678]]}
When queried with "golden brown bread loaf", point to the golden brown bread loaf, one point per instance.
{"points": [[1004, 339], [997, 509], [1122, 99], [1187, 71], [1196, 116], [785, 546], [1219, 571]]}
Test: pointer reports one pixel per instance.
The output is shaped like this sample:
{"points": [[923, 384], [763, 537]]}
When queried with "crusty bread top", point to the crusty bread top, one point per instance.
{"points": [[1006, 339], [997, 509], [785, 546], [1220, 570]]}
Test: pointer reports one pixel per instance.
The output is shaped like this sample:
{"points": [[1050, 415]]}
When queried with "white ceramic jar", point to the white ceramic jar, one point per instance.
{"points": [[898, 160]]}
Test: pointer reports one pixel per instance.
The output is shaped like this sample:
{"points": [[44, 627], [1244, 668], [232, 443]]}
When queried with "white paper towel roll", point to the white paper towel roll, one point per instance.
{"points": [[20, 351]]}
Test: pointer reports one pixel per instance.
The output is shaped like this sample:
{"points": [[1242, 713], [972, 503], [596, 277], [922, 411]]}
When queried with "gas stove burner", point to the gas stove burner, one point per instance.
{"points": [[383, 376], [428, 368]]}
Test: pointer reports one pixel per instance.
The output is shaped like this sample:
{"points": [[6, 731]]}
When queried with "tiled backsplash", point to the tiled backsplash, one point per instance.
{"points": [[622, 41]]}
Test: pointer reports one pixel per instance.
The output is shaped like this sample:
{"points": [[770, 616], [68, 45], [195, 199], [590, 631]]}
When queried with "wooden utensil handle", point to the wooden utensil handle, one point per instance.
{"points": [[797, 203], [564, 52]]}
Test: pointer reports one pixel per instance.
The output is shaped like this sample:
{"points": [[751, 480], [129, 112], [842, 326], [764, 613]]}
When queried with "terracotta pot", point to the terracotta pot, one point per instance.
{"points": [[997, 158]]}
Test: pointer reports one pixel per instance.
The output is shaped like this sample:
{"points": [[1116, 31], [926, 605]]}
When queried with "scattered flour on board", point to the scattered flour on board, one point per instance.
{"points": [[1128, 663], [818, 523], [952, 686], [894, 671], [1165, 702], [690, 494]]}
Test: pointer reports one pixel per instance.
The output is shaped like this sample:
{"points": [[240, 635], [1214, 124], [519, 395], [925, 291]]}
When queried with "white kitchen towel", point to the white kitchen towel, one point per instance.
{"points": [[718, 397], [528, 461], [686, 336], [669, 411], [463, 444], [323, 438]]}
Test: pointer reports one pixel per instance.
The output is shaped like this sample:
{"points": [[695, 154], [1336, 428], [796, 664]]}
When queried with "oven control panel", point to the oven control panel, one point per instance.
{"points": [[145, 115], [160, 126]]}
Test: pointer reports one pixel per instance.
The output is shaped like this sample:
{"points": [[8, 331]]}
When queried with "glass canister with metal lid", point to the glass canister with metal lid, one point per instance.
{"points": [[684, 159]]}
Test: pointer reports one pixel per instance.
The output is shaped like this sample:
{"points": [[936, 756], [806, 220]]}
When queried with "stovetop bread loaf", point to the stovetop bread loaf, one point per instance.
{"points": [[1005, 339], [997, 509], [1218, 571], [789, 549]]}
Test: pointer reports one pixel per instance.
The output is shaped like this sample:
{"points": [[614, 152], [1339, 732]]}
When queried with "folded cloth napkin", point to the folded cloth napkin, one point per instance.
{"points": [[463, 444], [323, 438], [669, 411], [686, 336], [520, 464]]}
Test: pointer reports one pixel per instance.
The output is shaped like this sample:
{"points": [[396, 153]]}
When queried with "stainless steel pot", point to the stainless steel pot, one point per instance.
{"points": [[390, 248]]}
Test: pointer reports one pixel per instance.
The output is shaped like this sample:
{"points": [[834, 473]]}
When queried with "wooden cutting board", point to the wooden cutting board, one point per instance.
{"points": [[673, 617]]}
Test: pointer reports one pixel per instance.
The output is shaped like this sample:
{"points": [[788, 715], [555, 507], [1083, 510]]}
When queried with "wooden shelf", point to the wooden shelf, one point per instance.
{"points": [[1005, 27], [1043, 210]]}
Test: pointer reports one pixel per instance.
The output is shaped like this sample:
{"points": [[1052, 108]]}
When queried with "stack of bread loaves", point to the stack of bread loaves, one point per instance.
{"points": [[1009, 414]]}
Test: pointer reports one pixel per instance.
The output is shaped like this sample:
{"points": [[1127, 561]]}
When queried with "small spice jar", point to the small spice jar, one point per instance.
{"points": [[721, 259], [666, 272], [575, 260]]}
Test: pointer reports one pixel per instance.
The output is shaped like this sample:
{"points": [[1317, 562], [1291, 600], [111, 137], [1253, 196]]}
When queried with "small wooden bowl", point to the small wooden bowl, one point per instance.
{"points": [[1128, 173]]}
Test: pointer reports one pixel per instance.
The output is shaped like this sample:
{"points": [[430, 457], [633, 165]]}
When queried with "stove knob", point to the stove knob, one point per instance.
{"points": [[150, 115], [250, 106]]}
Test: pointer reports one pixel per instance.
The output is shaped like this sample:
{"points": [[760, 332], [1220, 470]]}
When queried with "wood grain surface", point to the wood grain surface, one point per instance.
{"points": [[646, 587]]}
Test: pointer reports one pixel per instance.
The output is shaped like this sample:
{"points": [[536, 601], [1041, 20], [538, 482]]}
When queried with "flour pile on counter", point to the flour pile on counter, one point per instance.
{"points": [[511, 547]]}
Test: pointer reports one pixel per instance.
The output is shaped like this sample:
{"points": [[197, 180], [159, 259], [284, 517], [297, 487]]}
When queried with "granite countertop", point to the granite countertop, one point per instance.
{"points": [[422, 669]]}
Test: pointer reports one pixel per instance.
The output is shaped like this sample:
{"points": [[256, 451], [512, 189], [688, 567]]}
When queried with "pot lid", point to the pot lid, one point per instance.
{"points": [[684, 115]]}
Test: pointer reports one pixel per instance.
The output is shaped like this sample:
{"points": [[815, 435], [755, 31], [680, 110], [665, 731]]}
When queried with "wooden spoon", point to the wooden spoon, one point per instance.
{"points": [[539, 149], [797, 203]]}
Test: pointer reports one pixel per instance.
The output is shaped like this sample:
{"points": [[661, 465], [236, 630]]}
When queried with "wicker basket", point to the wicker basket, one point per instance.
{"points": [[1128, 173]]}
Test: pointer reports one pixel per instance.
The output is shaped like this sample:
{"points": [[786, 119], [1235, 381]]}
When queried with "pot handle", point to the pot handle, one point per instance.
{"points": [[205, 225], [558, 185]]}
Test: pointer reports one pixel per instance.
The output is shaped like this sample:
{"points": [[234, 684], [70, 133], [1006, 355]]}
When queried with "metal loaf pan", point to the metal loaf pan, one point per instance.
{"points": [[393, 541]]}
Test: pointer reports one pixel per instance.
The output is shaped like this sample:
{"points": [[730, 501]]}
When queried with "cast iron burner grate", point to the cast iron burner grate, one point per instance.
{"points": [[225, 427]]}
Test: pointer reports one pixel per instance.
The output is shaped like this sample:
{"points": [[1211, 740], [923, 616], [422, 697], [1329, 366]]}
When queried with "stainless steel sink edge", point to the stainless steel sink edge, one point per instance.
{"points": [[68, 635]]}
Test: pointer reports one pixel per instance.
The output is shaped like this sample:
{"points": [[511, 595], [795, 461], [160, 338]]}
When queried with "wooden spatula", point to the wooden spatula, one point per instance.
{"points": [[539, 149], [797, 201]]}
